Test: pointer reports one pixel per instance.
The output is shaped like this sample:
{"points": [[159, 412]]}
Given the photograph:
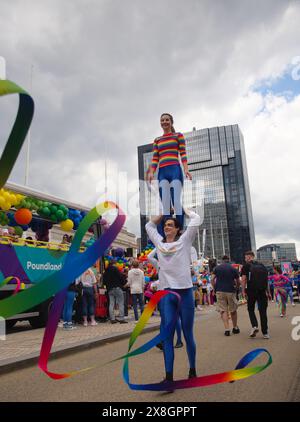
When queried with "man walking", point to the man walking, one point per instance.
{"points": [[225, 279], [113, 281], [255, 286], [136, 282]]}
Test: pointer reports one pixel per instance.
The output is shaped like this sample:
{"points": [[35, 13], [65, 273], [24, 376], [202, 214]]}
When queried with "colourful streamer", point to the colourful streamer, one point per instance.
{"points": [[8, 279], [75, 265], [240, 371]]}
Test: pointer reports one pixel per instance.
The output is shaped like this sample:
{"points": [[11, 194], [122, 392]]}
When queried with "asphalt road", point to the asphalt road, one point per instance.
{"points": [[215, 353]]}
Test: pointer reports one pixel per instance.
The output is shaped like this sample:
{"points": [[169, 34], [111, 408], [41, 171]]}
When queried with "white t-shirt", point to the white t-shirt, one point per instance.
{"points": [[174, 258], [136, 281], [87, 279]]}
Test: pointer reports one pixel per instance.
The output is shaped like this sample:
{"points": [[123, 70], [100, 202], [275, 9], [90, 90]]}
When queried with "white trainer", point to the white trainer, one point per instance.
{"points": [[253, 332]]}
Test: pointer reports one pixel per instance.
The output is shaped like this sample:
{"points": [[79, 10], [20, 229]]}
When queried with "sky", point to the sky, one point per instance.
{"points": [[101, 72]]}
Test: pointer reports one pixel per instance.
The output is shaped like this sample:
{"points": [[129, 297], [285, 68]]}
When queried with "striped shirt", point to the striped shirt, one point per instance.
{"points": [[166, 148]]}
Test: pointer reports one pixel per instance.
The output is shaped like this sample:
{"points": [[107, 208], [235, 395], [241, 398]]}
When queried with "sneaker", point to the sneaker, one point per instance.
{"points": [[227, 333], [113, 321], [266, 336], [94, 323], [199, 308], [272, 301], [60, 324], [281, 315], [293, 304], [159, 346], [85, 324], [178, 345], [235, 330], [69, 327], [122, 321], [253, 332]]}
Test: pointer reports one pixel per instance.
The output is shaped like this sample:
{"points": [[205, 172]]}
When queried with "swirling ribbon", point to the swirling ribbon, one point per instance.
{"points": [[240, 371], [8, 279], [19, 130]]}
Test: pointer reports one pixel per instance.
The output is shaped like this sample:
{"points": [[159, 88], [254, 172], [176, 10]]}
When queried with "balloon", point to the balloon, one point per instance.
{"points": [[6, 206], [19, 231], [53, 209], [2, 201], [23, 216], [67, 225], [60, 215], [45, 211]]}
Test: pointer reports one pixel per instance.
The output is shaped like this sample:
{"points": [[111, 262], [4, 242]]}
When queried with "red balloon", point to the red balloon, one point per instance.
{"points": [[23, 216]]}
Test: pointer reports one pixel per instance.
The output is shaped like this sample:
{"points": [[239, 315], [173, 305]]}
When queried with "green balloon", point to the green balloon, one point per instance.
{"points": [[60, 215], [63, 208], [46, 211], [53, 209], [18, 231], [53, 218]]}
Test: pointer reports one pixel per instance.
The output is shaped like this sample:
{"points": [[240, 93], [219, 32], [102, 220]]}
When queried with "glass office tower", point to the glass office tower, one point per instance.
{"points": [[216, 157]]}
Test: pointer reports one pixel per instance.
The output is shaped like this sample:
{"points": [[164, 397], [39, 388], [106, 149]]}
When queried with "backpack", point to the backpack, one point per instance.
{"points": [[258, 276]]}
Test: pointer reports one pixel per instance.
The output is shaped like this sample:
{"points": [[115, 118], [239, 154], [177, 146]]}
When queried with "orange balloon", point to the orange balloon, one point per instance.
{"points": [[23, 216]]}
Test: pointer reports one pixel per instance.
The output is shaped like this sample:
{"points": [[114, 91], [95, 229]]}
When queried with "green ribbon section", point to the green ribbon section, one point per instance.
{"points": [[19, 130]]}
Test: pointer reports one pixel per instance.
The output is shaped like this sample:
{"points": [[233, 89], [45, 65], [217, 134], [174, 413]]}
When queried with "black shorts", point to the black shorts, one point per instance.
{"points": [[204, 290]]}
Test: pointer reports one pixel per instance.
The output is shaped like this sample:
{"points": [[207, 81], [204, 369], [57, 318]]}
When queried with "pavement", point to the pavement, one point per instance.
{"points": [[22, 344]]}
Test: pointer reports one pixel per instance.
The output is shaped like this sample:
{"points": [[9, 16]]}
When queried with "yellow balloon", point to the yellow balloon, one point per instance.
{"points": [[2, 201], [19, 198], [13, 199], [6, 206], [67, 225]]}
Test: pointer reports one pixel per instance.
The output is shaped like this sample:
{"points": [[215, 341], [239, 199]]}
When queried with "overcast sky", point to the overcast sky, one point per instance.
{"points": [[104, 70]]}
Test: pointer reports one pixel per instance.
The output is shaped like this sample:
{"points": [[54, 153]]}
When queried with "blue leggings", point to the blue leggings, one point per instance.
{"points": [[170, 187], [186, 312], [68, 306], [289, 292]]}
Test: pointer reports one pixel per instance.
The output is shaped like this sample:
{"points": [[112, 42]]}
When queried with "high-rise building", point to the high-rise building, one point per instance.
{"points": [[276, 253], [216, 156]]}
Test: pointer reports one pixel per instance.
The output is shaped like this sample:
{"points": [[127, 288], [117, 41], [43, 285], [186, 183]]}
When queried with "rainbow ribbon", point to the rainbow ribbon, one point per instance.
{"points": [[8, 279], [76, 263], [240, 371], [56, 284]]}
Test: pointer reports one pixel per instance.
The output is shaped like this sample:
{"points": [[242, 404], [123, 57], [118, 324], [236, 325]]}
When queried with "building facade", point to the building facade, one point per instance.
{"points": [[276, 253], [216, 157]]}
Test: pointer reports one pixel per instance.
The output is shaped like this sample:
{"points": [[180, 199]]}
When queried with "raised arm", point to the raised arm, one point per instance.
{"points": [[194, 223], [182, 152]]}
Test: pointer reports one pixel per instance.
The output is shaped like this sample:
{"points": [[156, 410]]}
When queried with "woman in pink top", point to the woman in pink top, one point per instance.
{"points": [[280, 282]]}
